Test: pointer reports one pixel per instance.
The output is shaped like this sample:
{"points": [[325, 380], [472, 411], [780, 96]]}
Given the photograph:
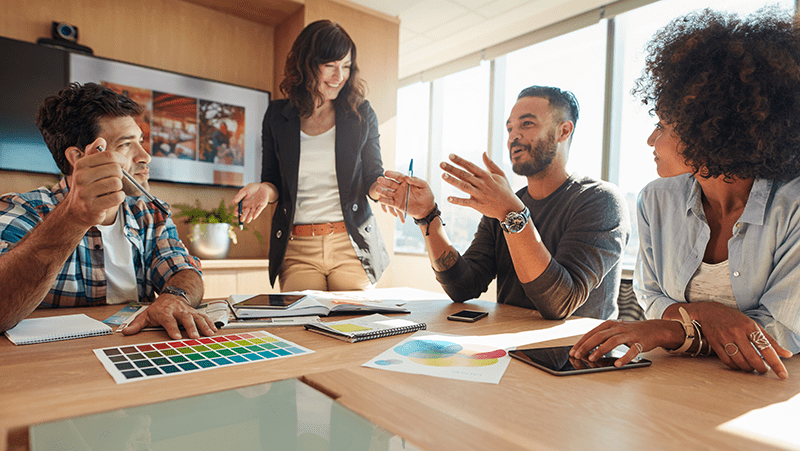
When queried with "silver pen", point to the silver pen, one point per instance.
{"points": [[161, 206]]}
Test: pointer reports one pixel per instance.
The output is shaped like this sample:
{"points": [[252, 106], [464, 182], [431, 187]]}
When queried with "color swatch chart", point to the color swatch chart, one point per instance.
{"points": [[151, 360]]}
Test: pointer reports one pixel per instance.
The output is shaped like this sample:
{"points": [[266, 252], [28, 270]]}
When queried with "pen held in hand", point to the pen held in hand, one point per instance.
{"points": [[241, 224], [136, 184], [130, 319], [408, 187]]}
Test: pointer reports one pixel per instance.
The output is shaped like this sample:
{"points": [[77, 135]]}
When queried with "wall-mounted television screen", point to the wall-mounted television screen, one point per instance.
{"points": [[30, 73], [197, 130]]}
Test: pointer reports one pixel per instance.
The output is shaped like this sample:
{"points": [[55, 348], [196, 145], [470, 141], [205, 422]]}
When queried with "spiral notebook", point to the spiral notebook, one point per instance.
{"points": [[365, 328], [55, 328]]}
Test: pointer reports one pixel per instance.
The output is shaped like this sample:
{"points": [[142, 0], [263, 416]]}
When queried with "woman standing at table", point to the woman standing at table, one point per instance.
{"points": [[719, 258], [321, 159]]}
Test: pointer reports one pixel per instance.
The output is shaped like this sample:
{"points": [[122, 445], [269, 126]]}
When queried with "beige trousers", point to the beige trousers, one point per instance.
{"points": [[326, 263]]}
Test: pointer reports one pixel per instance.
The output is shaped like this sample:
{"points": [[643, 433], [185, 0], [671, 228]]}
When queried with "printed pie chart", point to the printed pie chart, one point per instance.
{"points": [[449, 354]]}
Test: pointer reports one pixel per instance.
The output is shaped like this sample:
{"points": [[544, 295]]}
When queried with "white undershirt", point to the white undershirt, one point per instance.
{"points": [[712, 282], [317, 187], [118, 260]]}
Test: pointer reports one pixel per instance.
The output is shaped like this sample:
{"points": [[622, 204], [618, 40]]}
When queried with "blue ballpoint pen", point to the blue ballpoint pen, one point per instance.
{"points": [[408, 187], [241, 224]]}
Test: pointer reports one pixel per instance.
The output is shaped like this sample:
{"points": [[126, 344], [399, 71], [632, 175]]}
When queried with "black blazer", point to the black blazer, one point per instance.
{"points": [[358, 165]]}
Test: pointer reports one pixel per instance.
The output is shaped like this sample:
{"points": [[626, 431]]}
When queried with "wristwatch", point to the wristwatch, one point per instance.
{"points": [[515, 222], [177, 292]]}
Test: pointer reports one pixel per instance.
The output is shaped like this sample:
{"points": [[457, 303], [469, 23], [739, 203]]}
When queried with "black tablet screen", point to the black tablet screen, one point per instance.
{"points": [[556, 360], [270, 301]]}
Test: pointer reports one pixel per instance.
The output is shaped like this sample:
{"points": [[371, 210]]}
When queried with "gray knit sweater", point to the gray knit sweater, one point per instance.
{"points": [[585, 226]]}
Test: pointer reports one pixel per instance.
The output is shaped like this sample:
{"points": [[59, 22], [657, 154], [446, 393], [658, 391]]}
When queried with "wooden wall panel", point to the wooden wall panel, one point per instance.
{"points": [[167, 34], [285, 34]]}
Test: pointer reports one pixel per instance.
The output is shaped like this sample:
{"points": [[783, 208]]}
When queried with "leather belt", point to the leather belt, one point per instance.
{"points": [[328, 228]]}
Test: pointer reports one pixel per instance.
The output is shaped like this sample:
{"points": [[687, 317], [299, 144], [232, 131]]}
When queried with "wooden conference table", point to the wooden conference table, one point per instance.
{"points": [[677, 403]]}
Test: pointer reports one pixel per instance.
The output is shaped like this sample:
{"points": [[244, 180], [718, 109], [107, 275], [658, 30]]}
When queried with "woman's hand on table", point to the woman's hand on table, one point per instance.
{"points": [[639, 336], [735, 337]]}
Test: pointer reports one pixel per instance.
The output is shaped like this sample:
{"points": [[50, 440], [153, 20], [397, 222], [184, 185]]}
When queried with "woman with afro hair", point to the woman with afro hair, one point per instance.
{"points": [[718, 271]]}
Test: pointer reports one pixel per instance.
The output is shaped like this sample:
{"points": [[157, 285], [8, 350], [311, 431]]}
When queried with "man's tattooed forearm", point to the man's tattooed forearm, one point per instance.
{"points": [[446, 260]]}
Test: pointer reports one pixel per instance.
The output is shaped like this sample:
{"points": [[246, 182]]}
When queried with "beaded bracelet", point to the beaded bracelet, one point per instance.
{"points": [[427, 220]]}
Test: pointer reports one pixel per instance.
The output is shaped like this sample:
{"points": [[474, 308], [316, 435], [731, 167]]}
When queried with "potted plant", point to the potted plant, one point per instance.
{"points": [[210, 231]]}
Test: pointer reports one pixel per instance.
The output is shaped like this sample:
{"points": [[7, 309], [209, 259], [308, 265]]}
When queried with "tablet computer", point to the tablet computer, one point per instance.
{"points": [[270, 301], [556, 360]]}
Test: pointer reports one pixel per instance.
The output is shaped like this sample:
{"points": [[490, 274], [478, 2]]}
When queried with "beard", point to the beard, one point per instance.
{"points": [[540, 156], [130, 190]]}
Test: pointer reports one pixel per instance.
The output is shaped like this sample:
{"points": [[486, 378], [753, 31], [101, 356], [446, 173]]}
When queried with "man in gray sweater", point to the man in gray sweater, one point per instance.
{"points": [[554, 246]]}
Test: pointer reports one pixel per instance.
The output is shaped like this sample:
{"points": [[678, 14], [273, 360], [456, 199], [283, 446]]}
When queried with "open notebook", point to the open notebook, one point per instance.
{"points": [[54, 328], [365, 328]]}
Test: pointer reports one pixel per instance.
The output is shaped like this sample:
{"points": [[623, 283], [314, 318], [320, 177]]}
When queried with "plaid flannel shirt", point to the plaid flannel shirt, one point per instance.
{"points": [[157, 250]]}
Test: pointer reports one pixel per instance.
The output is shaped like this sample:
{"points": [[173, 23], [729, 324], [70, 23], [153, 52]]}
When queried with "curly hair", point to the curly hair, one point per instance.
{"points": [[319, 43], [731, 89], [71, 118]]}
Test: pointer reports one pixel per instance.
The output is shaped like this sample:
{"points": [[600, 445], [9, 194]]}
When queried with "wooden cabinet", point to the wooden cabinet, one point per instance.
{"points": [[246, 276]]}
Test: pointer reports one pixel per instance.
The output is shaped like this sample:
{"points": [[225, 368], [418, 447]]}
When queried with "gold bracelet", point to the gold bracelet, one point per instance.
{"points": [[699, 335]]}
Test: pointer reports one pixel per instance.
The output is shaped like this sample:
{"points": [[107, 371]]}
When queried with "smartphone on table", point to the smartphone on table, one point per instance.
{"points": [[469, 316]]}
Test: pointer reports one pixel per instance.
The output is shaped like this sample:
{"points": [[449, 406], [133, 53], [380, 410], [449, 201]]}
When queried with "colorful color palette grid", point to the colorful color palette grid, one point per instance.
{"points": [[152, 360]]}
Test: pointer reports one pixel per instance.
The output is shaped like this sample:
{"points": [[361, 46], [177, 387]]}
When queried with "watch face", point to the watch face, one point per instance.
{"points": [[515, 222]]}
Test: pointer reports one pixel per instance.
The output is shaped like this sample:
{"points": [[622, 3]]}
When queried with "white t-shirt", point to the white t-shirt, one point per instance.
{"points": [[118, 260], [317, 187], [712, 282]]}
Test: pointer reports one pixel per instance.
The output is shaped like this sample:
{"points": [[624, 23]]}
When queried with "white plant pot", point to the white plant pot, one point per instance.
{"points": [[210, 241]]}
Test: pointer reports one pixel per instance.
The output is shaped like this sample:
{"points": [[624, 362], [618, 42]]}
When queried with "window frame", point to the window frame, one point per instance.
{"points": [[611, 158]]}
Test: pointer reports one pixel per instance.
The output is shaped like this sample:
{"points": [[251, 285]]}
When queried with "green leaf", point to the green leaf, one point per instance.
{"points": [[195, 214]]}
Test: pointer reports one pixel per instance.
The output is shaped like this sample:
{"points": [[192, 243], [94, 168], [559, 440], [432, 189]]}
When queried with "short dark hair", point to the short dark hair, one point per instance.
{"points": [[730, 87], [319, 43], [562, 101], [71, 118]]}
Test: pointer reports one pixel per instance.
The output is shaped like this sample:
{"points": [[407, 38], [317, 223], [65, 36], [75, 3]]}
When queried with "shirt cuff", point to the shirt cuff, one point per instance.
{"points": [[656, 305]]}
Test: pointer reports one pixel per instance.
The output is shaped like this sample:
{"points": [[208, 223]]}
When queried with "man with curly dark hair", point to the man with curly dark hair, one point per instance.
{"points": [[719, 259], [93, 239]]}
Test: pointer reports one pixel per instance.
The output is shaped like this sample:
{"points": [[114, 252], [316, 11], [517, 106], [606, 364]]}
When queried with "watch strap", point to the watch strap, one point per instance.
{"points": [[175, 291], [428, 219], [688, 330]]}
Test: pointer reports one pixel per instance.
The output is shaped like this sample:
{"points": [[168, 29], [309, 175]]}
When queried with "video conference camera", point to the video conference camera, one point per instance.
{"points": [[65, 37]]}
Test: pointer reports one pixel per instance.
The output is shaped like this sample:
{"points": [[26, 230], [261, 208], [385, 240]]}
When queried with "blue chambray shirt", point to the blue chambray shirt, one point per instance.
{"points": [[157, 250], [763, 254]]}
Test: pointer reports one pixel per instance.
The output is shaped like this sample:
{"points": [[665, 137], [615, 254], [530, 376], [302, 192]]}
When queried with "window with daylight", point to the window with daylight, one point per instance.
{"points": [[465, 112]]}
